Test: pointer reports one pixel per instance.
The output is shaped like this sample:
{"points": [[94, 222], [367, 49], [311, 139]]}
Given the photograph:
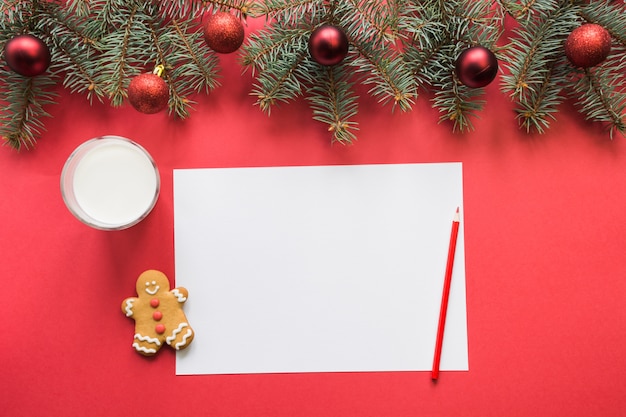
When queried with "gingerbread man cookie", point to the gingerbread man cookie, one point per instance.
{"points": [[158, 314]]}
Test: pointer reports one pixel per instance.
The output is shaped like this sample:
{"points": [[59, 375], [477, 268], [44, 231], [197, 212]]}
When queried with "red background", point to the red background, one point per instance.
{"points": [[546, 281]]}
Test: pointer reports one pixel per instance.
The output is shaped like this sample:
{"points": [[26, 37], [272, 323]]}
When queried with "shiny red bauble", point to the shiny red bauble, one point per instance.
{"points": [[27, 55], [328, 45], [223, 32], [476, 67], [148, 93], [588, 45]]}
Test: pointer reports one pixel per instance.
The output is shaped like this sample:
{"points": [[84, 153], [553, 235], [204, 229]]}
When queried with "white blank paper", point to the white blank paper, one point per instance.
{"points": [[319, 269]]}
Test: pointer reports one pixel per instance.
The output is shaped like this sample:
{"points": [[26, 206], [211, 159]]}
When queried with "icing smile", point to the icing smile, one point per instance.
{"points": [[153, 291]]}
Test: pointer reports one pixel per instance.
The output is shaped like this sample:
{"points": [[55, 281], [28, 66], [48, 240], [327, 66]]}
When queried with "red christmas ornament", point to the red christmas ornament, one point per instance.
{"points": [[27, 55], [476, 67], [223, 32], [328, 45], [148, 93], [588, 45]]}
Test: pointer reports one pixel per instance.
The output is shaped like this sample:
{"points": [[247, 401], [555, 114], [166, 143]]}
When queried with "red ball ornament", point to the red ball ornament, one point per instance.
{"points": [[588, 45], [328, 45], [223, 32], [148, 93], [27, 55], [476, 67]]}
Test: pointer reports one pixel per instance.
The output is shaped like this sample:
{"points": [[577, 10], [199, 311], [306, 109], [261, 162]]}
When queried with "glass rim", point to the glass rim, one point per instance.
{"points": [[69, 197]]}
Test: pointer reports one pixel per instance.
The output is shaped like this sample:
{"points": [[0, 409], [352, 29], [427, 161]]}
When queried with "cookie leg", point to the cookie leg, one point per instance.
{"points": [[146, 345], [180, 337]]}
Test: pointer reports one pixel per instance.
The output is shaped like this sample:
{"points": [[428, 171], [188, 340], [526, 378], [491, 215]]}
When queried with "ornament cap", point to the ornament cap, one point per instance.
{"points": [[159, 70]]}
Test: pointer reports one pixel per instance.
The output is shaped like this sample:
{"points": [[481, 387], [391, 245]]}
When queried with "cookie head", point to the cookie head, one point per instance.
{"points": [[152, 283]]}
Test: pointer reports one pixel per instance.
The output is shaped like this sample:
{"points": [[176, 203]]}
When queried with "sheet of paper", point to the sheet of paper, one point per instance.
{"points": [[319, 269]]}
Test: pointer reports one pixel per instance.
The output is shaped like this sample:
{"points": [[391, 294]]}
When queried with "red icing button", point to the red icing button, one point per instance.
{"points": [[154, 303], [157, 315], [159, 328]]}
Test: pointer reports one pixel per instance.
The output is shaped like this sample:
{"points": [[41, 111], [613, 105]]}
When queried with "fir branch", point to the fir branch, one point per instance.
{"points": [[15, 18], [20, 119], [534, 48], [200, 68], [373, 21], [189, 69], [192, 9], [372, 28], [333, 103], [293, 13], [281, 83], [436, 32], [424, 36], [176, 9], [177, 103], [80, 8], [458, 103], [123, 51], [600, 97], [535, 113], [73, 52], [269, 45], [390, 78]]}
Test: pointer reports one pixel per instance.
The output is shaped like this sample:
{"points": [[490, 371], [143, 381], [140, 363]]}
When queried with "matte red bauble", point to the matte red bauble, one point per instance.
{"points": [[148, 93], [328, 45], [476, 67], [223, 32], [588, 45], [27, 55]]}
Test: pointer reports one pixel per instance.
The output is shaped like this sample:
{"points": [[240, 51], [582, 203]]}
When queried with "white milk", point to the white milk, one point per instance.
{"points": [[115, 184]]}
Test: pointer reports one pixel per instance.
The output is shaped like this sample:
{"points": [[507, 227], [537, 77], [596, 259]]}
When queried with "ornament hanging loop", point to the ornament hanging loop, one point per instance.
{"points": [[158, 70]]}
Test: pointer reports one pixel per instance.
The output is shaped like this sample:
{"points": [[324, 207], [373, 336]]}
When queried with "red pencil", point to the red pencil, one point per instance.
{"points": [[446, 294]]}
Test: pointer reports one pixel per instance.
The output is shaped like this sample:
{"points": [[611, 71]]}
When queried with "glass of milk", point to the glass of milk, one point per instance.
{"points": [[110, 183]]}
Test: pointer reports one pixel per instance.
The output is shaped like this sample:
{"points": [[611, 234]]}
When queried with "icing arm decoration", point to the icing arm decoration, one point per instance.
{"points": [[129, 306], [180, 295]]}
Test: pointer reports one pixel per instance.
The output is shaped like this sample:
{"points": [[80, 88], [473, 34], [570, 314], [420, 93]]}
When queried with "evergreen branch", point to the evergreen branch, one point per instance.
{"points": [[186, 9], [199, 66], [189, 69], [536, 112], [390, 77], [20, 120], [123, 49], [177, 9], [16, 10], [534, 48], [176, 102], [282, 82], [372, 21], [457, 103], [79, 8], [270, 45], [292, 13], [72, 50], [105, 19], [599, 100], [333, 103]]}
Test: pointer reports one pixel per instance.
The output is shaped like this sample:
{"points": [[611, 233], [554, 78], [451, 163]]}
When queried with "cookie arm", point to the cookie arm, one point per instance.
{"points": [[127, 306], [181, 294]]}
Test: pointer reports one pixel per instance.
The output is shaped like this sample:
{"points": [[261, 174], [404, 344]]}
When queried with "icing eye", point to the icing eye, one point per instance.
{"points": [[147, 284], [153, 282]]}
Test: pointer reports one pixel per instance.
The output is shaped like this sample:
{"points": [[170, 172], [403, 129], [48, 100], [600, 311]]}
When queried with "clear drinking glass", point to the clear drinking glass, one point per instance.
{"points": [[110, 183]]}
